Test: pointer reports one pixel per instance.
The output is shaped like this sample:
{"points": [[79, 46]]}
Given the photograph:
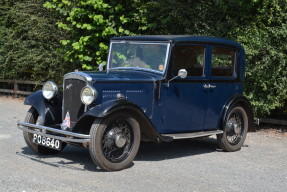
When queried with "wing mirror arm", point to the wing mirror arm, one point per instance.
{"points": [[182, 73]]}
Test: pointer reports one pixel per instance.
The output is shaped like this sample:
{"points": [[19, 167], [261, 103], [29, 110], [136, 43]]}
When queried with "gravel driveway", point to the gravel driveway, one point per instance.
{"points": [[189, 165]]}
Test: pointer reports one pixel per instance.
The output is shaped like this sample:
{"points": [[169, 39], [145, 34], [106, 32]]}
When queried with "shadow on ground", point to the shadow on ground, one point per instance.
{"points": [[175, 149], [71, 157], [79, 159]]}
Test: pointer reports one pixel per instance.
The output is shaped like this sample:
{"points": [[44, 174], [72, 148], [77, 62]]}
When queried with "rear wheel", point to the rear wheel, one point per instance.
{"points": [[33, 117], [114, 141], [235, 129]]}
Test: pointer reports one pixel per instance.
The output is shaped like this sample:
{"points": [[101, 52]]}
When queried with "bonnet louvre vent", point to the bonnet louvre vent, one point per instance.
{"points": [[131, 95]]}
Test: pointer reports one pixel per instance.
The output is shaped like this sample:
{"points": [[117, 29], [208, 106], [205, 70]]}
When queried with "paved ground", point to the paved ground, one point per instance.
{"points": [[190, 165]]}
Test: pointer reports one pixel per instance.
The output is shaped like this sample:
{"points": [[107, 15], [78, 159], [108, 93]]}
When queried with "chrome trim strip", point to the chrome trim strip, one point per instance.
{"points": [[193, 135], [79, 75], [140, 42], [77, 138], [135, 69], [166, 59], [109, 56]]}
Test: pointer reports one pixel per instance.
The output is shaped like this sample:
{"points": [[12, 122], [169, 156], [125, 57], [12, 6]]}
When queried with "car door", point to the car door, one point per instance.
{"points": [[221, 82], [184, 100]]}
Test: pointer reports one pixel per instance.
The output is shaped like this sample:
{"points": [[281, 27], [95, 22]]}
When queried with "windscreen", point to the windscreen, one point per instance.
{"points": [[141, 56]]}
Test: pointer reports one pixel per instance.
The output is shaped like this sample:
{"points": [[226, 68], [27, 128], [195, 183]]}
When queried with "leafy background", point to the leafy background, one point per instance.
{"points": [[44, 39]]}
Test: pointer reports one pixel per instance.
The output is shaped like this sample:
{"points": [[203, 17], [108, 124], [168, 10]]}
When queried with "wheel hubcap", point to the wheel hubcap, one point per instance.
{"points": [[236, 128], [120, 140]]}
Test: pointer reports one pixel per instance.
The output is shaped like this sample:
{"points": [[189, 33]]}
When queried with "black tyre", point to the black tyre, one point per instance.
{"points": [[32, 116], [235, 129], [114, 141]]}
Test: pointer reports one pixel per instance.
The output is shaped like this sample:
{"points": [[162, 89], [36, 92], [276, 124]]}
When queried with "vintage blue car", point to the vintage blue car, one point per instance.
{"points": [[154, 88]]}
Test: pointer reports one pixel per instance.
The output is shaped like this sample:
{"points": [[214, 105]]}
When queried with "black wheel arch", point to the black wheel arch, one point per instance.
{"points": [[242, 101], [50, 111], [148, 131]]}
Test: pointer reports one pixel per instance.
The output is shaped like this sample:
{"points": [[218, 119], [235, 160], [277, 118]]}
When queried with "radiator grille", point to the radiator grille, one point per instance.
{"points": [[72, 102]]}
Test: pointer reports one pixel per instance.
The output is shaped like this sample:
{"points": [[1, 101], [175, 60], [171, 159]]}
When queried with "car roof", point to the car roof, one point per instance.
{"points": [[178, 39]]}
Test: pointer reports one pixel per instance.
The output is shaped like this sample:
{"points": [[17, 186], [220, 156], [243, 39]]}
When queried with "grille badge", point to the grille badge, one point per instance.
{"points": [[69, 86]]}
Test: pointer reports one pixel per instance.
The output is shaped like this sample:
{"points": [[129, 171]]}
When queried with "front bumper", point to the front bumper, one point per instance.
{"points": [[65, 136]]}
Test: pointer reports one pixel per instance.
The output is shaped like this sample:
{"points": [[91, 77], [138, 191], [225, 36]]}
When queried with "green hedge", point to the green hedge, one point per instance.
{"points": [[43, 42], [29, 42]]}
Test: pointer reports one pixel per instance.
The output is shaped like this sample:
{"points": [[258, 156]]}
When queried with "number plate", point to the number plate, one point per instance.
{"points": [[47, 142]]}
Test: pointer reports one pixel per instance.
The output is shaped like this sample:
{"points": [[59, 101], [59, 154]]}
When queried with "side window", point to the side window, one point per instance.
{"points": [[189, 57], [223, 62]]}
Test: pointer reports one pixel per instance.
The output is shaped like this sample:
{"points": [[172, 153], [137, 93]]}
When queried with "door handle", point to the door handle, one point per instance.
{"points": [[208, 86]]}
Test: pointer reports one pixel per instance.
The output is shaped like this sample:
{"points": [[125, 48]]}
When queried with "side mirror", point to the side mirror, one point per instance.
{"points": [[182, 73], [102, 67]]}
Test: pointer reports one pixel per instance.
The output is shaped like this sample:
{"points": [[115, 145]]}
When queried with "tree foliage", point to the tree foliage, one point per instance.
{"points": [[260, 26], [33, 39], [29, 41], [92, 23]]}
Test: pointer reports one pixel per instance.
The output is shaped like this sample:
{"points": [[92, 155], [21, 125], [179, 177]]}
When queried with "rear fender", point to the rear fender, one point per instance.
{"points": [[50, 111], [238, 100]]}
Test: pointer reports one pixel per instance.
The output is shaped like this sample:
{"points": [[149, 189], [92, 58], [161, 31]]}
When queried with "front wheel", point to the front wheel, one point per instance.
{"points": [[114, 141], [235, 129]]}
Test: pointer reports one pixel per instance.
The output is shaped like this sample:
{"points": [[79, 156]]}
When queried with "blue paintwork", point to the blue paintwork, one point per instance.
{"points": [[183, 107], [188, 107], [138, 92], [216, 99]]}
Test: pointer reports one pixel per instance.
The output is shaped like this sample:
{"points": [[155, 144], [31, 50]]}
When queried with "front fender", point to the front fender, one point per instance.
{"points": [[85, 121], [111, 106], [148, 131], [50, 111]]}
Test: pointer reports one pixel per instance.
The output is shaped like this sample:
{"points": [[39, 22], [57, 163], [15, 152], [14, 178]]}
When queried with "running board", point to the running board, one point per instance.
{"points": [[193, 135]]}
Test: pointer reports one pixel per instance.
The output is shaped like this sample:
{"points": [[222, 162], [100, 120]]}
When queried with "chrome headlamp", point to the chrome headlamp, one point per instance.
{"points": [[88, 95], [49, 90]]}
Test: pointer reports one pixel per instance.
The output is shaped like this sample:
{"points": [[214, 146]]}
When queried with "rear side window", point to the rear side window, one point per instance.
{"points": [[189, 57], [222, 62]]}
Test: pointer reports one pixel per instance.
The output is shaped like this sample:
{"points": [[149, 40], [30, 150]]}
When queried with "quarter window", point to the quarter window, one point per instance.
{"points": [[222, 63], [189, 57]]}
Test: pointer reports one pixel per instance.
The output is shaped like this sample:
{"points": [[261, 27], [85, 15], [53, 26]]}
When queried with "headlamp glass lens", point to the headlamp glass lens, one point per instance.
{"points": [[88, 95], [49, 90]]}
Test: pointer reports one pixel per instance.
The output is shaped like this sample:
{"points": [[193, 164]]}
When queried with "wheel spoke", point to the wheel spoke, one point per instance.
{"points": [[234, 128], [113, 149]]}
